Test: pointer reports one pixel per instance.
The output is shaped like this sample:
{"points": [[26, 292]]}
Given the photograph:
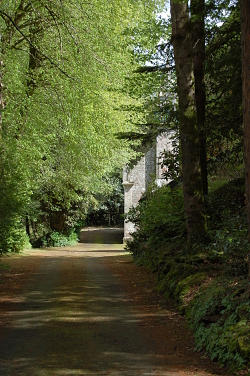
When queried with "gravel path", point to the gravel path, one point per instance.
{"points": [[88, 310]]}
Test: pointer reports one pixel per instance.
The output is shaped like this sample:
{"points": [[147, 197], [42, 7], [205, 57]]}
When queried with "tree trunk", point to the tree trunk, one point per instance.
{"points": [[198, 31], [57, 221], [27, 226], [34, 63], [2, 52], [245, 24], [1, 88], [189, 130]]}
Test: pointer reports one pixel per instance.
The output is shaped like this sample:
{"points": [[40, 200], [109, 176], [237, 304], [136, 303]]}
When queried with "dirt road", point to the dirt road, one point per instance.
{"points": [[88, 310]]}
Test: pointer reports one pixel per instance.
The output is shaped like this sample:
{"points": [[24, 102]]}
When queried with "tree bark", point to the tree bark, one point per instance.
{"points": [[245, 29], [189, 130], [35, 57], [3, 34], [198, 31], [1, 88]]}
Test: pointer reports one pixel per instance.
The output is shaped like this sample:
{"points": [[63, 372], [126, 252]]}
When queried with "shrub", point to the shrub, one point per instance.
{"points": [[210, 283], [159, 214], [232, 246], [218, 315], [14, 198], [13, 237], [55, 239]]}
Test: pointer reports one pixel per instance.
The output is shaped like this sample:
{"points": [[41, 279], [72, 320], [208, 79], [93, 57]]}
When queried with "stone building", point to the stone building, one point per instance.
{"points": [[137, 179]]}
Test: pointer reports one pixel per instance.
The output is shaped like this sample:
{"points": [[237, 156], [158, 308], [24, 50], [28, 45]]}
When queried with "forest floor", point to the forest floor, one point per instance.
{"points": [[89, 310]]}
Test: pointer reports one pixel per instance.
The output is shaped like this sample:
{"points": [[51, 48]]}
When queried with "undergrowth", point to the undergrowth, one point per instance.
{"points": [[209, 282], [56, 239]]}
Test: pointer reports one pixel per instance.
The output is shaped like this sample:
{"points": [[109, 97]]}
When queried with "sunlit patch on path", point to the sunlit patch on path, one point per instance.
{"points": [[73, 315]]}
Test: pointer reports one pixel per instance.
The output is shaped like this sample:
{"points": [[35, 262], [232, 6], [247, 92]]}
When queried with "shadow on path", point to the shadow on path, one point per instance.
{"points": [[102, 235], [73, 317]]}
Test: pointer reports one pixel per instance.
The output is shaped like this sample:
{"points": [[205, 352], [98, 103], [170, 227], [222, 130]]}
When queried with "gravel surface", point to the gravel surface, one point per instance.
{"points": [[88, 310]]}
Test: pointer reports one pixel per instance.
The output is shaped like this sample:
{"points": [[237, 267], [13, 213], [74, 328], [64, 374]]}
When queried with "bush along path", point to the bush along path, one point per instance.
{"points": [[89, 310], [209, 282]]}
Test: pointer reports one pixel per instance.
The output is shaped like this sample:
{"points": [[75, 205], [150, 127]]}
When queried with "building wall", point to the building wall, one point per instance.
{"points": [[134, 186], [163, 142], [137, 179], [150, 166]]}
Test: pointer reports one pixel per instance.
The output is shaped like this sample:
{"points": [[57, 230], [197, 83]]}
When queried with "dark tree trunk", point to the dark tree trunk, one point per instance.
{"points": [[189, 130], [27, 226], [34, 63], [57, 221], [198, 31], [245, 23], [1, 89]]}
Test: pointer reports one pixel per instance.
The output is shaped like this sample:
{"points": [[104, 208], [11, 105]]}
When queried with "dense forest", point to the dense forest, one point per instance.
{"points": [[85, 89]]}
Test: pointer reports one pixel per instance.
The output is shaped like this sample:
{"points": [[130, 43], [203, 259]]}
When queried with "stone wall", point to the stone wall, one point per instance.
{"points": [[135, 182], [163, 142], [137, 179]]}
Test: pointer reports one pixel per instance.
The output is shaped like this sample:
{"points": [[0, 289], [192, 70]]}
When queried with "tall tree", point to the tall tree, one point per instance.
{"points": [[66, 68], [197, 8], [245, 23], [189, 131], [1, 85]]}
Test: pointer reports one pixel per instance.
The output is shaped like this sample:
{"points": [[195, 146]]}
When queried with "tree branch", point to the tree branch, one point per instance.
{"points": [[3, 15]]}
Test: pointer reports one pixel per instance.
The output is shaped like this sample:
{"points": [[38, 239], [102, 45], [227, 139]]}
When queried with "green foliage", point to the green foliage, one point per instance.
{"points": [[228, 227], [215, 316], [232, 248], [184, 287], [177, 279], [109, 208], [13, 236], [225, 197], [209, 282], [159, 216], [160, 211], [66, 68], [224, 86], [13, 203], [55, 239]]}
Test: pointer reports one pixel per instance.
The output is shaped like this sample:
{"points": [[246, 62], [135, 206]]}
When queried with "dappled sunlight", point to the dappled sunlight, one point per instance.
{"points": [[114, 371], [80, 250], [74, 318], [35, 309]]}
